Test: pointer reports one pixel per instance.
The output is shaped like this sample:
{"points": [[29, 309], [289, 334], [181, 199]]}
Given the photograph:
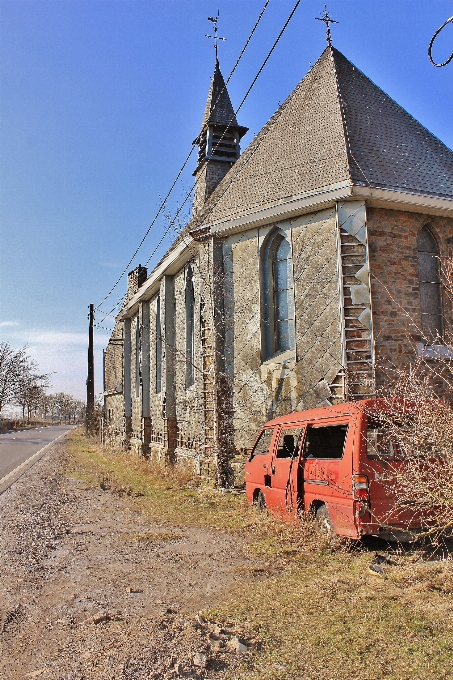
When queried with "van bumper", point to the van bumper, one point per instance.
{"points": [[396, 534], [399, 535]]}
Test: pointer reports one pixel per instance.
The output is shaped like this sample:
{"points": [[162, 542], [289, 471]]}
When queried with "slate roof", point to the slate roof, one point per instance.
{"points": [[389, 148], [219, 109], [336, 127]]}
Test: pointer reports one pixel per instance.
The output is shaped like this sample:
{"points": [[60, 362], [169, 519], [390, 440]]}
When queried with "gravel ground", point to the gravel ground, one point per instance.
{"points": [[91, 589]]}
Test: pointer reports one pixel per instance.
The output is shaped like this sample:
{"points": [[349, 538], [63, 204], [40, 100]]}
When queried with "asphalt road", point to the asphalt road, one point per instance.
{"points": [[17, 447]]}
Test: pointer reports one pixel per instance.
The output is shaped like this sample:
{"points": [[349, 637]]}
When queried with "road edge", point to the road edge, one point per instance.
{"points": [[15, 474]]}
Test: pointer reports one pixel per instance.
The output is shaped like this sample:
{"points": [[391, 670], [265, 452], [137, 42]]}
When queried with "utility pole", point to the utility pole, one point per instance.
{"points": [[90, 379]]}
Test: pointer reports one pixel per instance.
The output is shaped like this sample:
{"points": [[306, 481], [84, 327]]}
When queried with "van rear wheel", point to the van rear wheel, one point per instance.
{"points": [[324, 522], [260, 501]]}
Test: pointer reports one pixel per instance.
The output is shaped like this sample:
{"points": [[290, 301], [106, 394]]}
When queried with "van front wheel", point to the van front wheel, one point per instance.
{"points": [[260, 501]]}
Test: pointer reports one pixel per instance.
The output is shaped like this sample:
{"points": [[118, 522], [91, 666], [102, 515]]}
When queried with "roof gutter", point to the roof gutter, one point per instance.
{"points": [[171, 264], [296, 205], [327, 197], [404, 200]]}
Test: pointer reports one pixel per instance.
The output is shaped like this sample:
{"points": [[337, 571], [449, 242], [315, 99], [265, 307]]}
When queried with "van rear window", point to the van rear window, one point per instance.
{"points": [[325, 441]]}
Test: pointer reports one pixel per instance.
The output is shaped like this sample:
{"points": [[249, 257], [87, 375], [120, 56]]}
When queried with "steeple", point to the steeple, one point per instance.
{"points": [[218, 140], [337, 131]]}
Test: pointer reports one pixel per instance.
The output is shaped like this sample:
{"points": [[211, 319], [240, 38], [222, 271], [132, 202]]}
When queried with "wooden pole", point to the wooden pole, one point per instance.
{"points": [[90, 378]]}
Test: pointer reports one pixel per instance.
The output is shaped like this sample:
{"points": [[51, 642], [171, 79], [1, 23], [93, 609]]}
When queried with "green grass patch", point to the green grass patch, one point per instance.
{"points": [[164, 495]]}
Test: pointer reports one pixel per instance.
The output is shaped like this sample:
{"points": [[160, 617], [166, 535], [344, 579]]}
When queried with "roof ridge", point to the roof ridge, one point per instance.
{"points": [[249, 152], [348, 149]]}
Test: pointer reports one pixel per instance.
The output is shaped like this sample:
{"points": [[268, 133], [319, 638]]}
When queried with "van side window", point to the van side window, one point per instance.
{"points": [[378, 442], [325, 441], [288, 446], [263, 444]]}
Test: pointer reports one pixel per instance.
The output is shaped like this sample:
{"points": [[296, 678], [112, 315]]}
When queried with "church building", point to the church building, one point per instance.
{"points": [[310, 262]]}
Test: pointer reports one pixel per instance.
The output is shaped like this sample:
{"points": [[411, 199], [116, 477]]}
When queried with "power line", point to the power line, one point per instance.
{"points": [[430, 47], [235, 113], [162, 205], [247, 160]]}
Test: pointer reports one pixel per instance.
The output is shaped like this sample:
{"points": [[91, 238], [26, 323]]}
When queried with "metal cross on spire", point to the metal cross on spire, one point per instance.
{"points": [[327, 20], [215, 37]]}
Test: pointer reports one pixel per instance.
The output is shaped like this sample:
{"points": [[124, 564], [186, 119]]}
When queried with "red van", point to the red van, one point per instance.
{"points": [[329, 462]]}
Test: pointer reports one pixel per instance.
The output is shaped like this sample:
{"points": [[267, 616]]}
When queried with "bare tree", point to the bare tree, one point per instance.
{"points": [[14, 364], [66, 407], [30, 391]]}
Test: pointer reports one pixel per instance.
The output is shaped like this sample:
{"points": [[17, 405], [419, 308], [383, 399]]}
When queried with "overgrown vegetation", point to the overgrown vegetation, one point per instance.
{"points": [[416, 414], [307, 610]]}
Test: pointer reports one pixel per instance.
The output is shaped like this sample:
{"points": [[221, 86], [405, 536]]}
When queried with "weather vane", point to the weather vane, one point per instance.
{"points": [[215, 37], [327, 20]]}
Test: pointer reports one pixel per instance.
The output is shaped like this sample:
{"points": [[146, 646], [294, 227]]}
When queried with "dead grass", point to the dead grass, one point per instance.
{"points": [[166, 495], [311, 611], [332, 619]]}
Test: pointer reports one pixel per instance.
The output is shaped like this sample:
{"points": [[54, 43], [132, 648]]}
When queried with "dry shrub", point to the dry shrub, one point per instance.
{"points": [[417, 414], [421, 424]]}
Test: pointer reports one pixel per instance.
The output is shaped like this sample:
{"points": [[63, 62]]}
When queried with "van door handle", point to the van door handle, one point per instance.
{"points": [[273, 469]]}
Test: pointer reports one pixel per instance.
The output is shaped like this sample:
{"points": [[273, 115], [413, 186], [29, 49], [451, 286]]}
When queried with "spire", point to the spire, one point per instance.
{"points": [[219, 109], [218, 140]]}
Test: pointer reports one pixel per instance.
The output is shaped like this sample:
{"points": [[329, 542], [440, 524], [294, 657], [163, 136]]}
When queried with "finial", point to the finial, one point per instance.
{"points": [[215, 37], [327, 20]]}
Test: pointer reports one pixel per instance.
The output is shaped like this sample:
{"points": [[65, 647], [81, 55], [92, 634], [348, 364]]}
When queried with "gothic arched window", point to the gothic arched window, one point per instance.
{"points": [[190, 317], [278, 296], [430, 285], [158, 348]]}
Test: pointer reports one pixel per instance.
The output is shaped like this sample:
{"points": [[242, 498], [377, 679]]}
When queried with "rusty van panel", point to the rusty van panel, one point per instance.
{"points": [[330, 468]]}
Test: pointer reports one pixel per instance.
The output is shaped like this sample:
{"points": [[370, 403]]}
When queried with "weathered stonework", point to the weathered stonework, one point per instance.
{"points": [[395, 282], [295, 283]]}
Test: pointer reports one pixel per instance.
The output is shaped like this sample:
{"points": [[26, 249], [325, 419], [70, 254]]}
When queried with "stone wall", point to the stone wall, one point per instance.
{"points": [[113, 386], [156, 438], [136, 423], [296, 379], [318, 333], [114, 419], [395, 284], [189, 398], [208, 178], [242, 335]]}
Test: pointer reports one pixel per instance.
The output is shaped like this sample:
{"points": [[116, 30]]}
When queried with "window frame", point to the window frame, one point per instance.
{"points": [[271, 336], [430, 332], [189, 302]]}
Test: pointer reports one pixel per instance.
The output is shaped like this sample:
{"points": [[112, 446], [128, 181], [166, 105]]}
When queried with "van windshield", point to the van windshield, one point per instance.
{"points": [[263, 444]]}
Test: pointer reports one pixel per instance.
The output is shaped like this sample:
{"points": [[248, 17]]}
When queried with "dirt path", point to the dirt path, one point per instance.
{"points": [[90, 589]]}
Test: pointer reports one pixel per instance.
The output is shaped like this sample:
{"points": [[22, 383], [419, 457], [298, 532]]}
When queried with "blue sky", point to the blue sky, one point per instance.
{"points": [[99, 104]]}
